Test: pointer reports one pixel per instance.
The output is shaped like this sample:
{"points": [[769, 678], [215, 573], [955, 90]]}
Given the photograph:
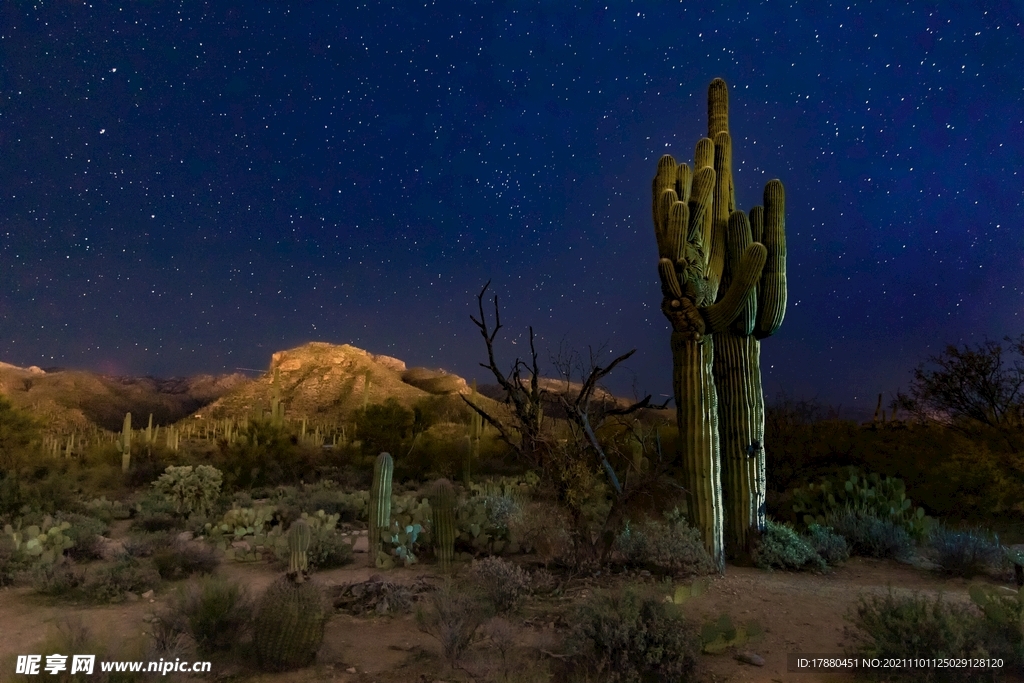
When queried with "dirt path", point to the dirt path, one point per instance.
{"points": [[801, 613]]}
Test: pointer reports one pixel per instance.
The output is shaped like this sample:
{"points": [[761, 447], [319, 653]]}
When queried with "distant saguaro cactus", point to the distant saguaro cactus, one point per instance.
{"points": [[380, 503], [717, 278], [124, 442], [442, 507]]}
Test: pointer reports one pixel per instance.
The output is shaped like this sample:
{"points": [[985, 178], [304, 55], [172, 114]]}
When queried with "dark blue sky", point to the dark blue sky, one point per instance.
{"points": [[188, 187]]}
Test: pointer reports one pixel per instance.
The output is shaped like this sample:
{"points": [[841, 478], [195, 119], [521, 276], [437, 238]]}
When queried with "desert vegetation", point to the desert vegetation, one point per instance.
{"points": [[473, 542]]}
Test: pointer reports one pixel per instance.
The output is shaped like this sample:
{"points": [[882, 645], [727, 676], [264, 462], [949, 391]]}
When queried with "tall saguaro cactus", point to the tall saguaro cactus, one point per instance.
{"points": [[380, 504], [709, 270]]}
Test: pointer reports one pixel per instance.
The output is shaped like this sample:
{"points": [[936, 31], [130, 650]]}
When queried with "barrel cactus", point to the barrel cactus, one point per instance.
{"points": [[289, 626], [713, 277], [442, 507], [380, 504]]}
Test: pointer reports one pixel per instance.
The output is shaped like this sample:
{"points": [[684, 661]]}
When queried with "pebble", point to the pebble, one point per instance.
{"points": [[750, 658], [351, 669]]}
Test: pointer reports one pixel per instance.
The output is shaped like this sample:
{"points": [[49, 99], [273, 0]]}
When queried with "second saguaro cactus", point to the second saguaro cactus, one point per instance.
{"points": [[442, 528], [298, 545], [380, 504]]}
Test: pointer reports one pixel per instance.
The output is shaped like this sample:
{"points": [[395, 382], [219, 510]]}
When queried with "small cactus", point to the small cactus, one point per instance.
{"points": [[298, 544], [380, 504], [442, 506], [124, 442]]}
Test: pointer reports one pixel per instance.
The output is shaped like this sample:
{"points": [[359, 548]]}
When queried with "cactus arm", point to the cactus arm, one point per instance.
{"points": [[719, 316], [772, 291]]}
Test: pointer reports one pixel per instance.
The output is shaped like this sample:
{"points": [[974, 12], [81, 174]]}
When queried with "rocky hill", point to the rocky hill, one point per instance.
{"points": [[72, 399], [323, 381]]}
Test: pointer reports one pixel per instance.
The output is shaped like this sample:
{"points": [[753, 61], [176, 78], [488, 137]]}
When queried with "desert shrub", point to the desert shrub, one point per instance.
{"points": [[126, 575], [328, 550], [85, 533], [265, 455], [58, 579], [291, 502], [155, 513], [542, 529], [212, 611], [629, 637], [382, 427], [145, 545], [870, 536], [829, 545], [893, 626], [781, 547], [1004, 622], [669, 545], [9, 565], [542, 581], [452, 615], [190, 490], [504, 583], [964, 552], [182, 560]]}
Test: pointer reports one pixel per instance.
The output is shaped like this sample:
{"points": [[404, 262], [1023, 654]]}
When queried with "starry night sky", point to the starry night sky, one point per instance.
{"points": [[189, 187]]}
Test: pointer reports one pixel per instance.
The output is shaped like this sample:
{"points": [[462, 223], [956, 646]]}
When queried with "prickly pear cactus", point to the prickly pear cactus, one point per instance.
{"points": [[289, 626], [380, 505], [443, 524]]}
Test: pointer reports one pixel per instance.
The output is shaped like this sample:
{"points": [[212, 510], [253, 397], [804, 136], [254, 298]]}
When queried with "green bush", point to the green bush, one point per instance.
{"points": [[870, 536], [829, 545], [9, 564], [452, 615], [126, 575], [965, 552], [59, 580], [781, 547], [155, 513], [1004, 621], [914, 626], [669, 545], [190, 491], [328, 550], [85, 533], [182, 560], [383, 427], [504, 583], [627, 637], [213, 612]]}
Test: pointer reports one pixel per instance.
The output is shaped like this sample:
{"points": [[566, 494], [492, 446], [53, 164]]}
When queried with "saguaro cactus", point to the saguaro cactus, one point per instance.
{"points": [[298, 545], [124, 442], [708, 280], [442, 528], [380, 504]]}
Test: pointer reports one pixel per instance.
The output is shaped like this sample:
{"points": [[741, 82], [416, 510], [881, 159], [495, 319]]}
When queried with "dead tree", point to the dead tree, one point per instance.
{"points": [[525, 400]]}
